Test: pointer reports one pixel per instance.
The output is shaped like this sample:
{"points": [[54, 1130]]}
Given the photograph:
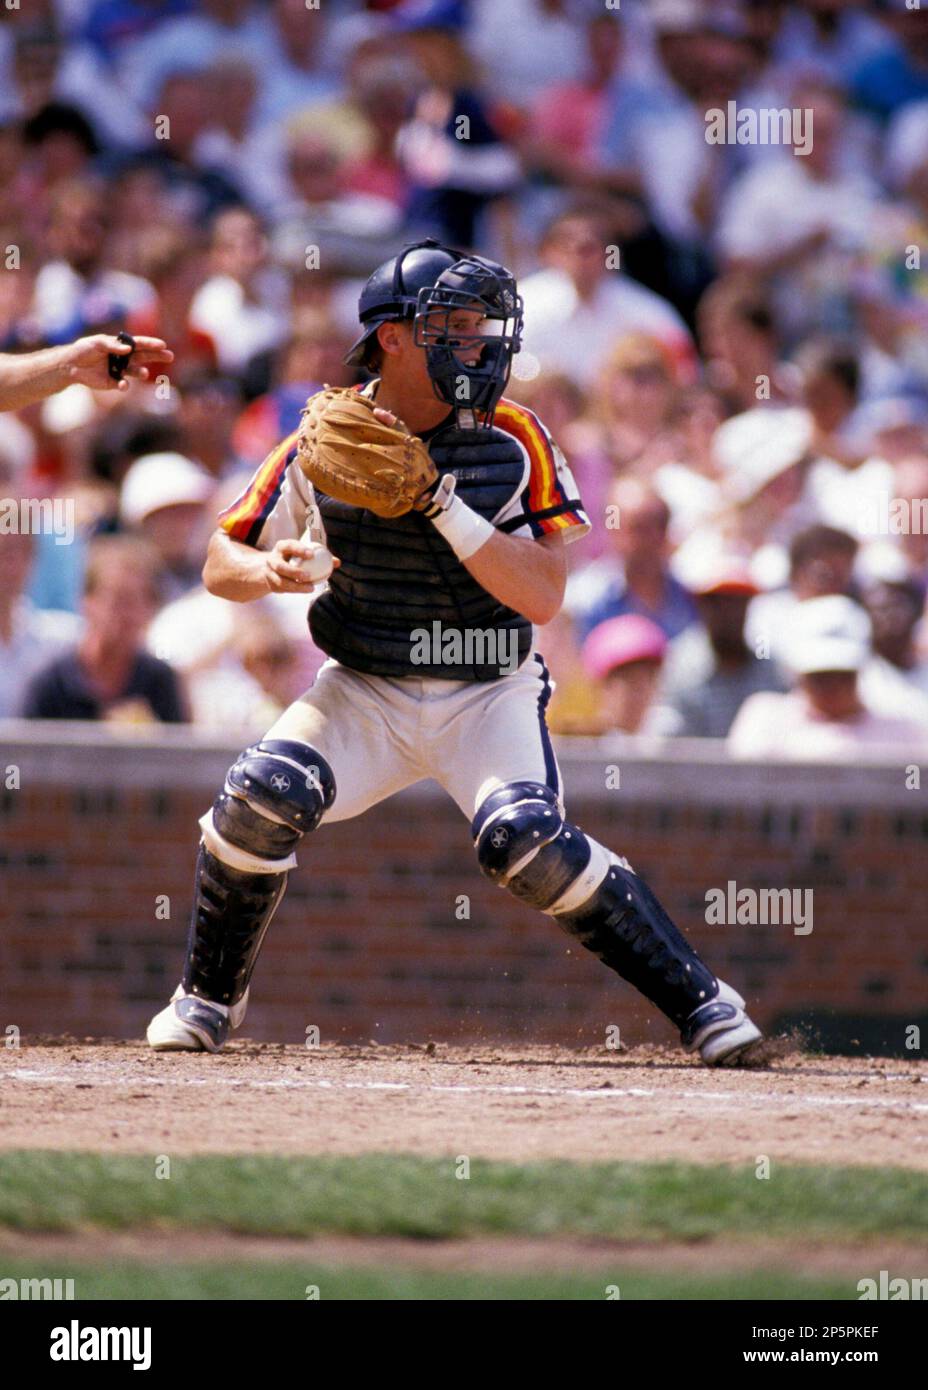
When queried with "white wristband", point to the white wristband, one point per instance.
{"points": [[463, 529]]}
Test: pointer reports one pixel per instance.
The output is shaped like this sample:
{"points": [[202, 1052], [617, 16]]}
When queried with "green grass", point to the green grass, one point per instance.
{"points": [[289, 1280], [408, 1196]]}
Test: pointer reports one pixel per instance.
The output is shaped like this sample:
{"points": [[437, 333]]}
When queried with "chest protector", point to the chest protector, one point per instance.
{"points": [[401, 603]]}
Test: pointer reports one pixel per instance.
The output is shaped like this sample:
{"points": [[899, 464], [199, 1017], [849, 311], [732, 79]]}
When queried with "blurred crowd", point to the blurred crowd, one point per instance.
{"points": [[727, 340]]}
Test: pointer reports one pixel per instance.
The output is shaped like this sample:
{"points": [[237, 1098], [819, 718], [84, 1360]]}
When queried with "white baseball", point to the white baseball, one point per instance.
{"points": [[320, 564]]}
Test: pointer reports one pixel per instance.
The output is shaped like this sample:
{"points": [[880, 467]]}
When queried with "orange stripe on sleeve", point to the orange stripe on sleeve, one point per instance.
{"points": [[238, 518], [526, 427]]}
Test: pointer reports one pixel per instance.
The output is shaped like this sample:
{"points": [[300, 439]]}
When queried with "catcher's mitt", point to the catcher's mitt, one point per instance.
{"points": [[352, 456]]}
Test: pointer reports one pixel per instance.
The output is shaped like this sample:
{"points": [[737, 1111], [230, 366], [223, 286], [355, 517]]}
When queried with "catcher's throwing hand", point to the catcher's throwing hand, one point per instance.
{"points": [[282, 569], [87, 360], [354, 452]]}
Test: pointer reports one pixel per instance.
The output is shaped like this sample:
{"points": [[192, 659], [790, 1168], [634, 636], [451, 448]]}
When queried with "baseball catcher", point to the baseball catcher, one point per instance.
{"points": [[437, 512]]}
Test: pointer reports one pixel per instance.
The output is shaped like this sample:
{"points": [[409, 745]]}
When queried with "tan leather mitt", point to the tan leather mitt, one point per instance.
{"points": [[350, 455]]}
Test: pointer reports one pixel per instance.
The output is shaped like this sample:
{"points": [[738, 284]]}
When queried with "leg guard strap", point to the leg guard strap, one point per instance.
{"points": [[240, 858]]}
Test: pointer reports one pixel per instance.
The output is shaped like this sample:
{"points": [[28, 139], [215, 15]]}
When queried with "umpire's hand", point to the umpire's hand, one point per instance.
{"points": [[87, 360], [28, 377]]}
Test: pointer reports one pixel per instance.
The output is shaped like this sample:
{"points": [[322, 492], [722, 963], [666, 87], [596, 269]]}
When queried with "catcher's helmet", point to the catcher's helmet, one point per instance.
{"points": [[392, 292], [472, 283]]}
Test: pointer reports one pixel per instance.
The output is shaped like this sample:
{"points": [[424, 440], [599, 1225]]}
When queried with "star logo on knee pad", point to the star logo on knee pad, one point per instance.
{"points": [[280, 783], [499, 837]]}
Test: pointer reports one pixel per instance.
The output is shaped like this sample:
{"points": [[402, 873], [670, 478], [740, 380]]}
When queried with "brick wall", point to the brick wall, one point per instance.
{"points": [[372, 941]]}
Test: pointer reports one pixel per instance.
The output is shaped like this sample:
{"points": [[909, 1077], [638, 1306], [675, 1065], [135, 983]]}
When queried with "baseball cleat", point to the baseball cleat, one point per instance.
{"points": [[189, 1024], [720, 1029]]}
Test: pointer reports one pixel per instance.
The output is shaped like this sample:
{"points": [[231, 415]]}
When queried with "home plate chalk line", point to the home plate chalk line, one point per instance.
{"points": [[102, 1077]]}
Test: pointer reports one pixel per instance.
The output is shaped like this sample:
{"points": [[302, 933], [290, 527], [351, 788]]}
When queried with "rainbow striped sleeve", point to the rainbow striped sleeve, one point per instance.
{"points": [[551, 501], [244, 519]]}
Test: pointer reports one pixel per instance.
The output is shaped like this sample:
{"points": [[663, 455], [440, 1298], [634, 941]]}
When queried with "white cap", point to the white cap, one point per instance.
{"points": [[69, 409], [754, 448], [882, 563], [161, 480], [706, 570], [907, 143], [676, 16], [828, 634]]}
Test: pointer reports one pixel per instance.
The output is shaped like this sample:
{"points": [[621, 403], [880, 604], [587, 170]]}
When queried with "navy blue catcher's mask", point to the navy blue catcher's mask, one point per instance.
{"points": [[480, 286]]}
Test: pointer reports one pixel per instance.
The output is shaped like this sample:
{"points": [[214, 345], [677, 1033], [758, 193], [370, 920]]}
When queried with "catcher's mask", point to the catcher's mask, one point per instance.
{"points": [[472, 384], [392, 292]]}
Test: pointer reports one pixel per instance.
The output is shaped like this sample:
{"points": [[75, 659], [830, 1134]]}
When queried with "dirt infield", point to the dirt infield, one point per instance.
{"points": [[512, 1102]]}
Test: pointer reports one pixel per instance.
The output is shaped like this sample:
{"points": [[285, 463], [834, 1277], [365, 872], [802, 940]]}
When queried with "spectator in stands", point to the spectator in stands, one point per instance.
{"points": [[688, 480], [831, 38], [635, 402], [798, 224], [638, 421], [164, 497], [123, 437], [635, 577], [711, 670], [830, 383], [77, 291], [187, 188], [44, 68], [824, 716], [659, 124], [175, 259], [312, 358], [761, 459], [380, 92], [892, 295], [453, 181], [58, 143], [624, 656], [738, 338], [894, 72], [316, 214], [208, 406], [232, 143], [37, 54], [108, 675], [524, 45], [911, 488], [243, 306], [821, 562], [111, 25], [30, 637], [261, 675], [576, 306], [565, 129], [895, 606], [214, 30], [298, 78]]}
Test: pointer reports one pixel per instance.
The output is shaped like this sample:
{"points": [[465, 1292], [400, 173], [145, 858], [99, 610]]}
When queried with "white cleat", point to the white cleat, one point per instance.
{"points": [[191, 1024], [720, 1030]]}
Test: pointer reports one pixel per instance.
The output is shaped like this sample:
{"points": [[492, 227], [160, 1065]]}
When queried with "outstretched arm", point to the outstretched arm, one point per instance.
{"points": [[29, 377]]}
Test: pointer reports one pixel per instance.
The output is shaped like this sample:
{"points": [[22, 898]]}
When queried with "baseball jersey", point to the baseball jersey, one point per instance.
{"points": [[279, 504]]}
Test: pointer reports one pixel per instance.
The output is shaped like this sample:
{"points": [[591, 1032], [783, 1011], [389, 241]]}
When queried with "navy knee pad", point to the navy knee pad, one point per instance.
{"points": [[512, 822], [523, 843], [275, 793]]}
